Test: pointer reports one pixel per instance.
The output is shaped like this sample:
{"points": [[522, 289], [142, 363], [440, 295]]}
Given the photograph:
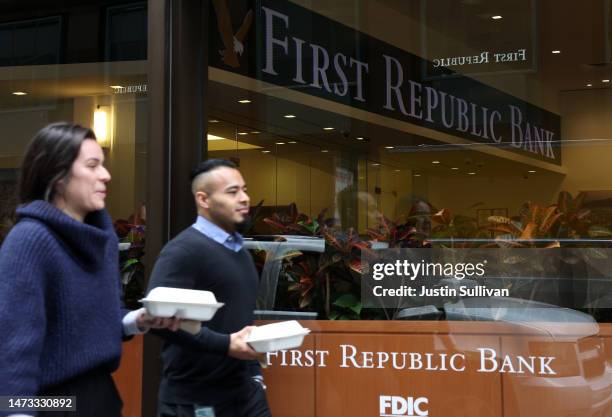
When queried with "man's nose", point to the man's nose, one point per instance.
{"points": [[244, 196]]}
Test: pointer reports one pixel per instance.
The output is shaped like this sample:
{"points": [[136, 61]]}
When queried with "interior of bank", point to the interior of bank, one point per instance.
{"points": [[356, 165], [358, 169], [343, 166]]}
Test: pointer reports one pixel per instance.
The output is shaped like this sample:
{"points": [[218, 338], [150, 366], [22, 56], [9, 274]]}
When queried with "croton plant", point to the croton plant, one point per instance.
{"points": [[330, 283]]}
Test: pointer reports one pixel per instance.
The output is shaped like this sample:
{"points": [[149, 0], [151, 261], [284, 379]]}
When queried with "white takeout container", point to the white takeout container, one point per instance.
{"points": [[277, 336], [186, 304]]}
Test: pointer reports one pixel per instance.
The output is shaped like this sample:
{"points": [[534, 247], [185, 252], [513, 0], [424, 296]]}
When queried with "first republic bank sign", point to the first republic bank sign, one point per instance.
{"points": [[296, 48]]}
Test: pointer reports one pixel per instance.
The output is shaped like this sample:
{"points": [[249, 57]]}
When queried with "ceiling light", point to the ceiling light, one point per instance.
{"points": [[289, 116], [471, 173], [280, 143], [496, 17], [397, 170], [265, 151], [292, 142], [244, 101], [589, 85], [242, 133], [375, 164], [359, 138], [101, 126], [324, 150], [19, 93], [328, 128], [255, 132], [435, 162], [389, 147], [556, 51], [531, 171], [416, 175], [213, 121], [605, 81], [219, 143], [116, 86], [454, 168]]}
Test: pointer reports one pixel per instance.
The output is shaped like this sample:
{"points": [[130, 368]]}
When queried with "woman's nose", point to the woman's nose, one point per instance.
{"points": [[105, 175]]}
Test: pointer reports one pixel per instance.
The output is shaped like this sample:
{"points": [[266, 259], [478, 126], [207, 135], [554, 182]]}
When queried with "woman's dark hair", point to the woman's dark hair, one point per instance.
{"points": [[48, 159]]}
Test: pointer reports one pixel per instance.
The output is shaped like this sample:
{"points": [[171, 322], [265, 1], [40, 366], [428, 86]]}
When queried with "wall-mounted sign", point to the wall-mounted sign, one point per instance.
{"points": [[485, 57], [464, 37], [131, 89], [488, 360], [293, 47], [476, 369]]}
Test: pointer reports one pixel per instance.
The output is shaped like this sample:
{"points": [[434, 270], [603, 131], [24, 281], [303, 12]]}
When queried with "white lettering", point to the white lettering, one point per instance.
{"points": [[319, 70], [445, 122], [351, 357], [299, 78], [271, 41], [495, 115], [549, 140], [517, 119], [415, 99], [463, 122], [360, 67], [432, 102], [395, 88], [341, 74], [487, 355]]}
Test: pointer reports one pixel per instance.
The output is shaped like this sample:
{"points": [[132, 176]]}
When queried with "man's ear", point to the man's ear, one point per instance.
{"points": [[202, 199]]}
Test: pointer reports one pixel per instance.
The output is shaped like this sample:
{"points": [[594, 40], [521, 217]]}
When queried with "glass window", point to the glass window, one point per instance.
{"points": [[466, 125], [31, 42], [126, 32], [44, 78]]}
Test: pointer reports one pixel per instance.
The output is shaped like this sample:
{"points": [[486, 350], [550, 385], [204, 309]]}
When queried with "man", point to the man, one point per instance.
{"points": [[210, 373]]}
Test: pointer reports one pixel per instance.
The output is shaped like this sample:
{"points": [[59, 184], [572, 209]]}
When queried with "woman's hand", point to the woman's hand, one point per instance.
{"points": [[145, 321]]}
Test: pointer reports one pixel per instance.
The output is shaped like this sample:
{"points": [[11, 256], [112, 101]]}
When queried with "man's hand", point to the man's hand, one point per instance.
{"points": [[239, 348], [145, 321]]}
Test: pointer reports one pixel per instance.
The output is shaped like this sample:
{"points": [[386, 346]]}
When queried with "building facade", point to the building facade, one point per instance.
{"points": [[432, 132]]}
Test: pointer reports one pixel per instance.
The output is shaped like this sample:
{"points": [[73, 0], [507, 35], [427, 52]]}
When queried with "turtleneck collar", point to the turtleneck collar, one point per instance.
{"points": [[87, 240]]}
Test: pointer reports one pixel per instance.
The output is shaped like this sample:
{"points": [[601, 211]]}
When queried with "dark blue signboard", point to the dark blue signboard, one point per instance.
{"points": [[284, 44]]}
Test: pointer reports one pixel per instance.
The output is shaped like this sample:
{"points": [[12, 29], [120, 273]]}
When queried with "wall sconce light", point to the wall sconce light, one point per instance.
{"points": [[101, 119]]}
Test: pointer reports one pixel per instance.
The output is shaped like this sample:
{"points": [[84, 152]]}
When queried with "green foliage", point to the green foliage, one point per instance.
{"points": [[130, 261], [330, 283]]}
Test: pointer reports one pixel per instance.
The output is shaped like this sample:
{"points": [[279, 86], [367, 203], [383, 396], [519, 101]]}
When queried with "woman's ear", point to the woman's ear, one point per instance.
{"points": [[59, 187]]}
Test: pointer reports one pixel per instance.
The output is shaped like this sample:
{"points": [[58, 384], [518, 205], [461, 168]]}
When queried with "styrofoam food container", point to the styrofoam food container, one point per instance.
{"points": [[277, 336], [180, 302]]}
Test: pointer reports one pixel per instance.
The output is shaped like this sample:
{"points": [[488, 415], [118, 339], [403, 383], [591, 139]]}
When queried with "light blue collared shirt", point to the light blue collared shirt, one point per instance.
{"points": [[207, 228]]}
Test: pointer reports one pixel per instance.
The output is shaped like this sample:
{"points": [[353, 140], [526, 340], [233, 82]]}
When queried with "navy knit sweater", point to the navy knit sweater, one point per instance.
{"points": [[197, 369], [60, 310]]}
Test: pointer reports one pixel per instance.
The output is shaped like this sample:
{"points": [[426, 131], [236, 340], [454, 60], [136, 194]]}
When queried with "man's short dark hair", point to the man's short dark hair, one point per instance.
{"points": [[209, 165]]}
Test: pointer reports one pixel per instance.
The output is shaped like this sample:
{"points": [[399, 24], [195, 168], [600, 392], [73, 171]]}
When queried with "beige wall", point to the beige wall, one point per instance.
{"points": [[587, 156], [587, 126], [282, 181], [465, 195], [19, 126], [585, 115], [125, 164]]}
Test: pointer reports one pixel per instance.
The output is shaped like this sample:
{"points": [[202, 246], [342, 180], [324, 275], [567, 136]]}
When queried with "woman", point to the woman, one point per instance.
{"points": [[60, 311]]}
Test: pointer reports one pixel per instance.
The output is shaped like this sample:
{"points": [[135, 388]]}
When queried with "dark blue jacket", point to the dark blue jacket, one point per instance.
{"points": [[60, 310]]}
